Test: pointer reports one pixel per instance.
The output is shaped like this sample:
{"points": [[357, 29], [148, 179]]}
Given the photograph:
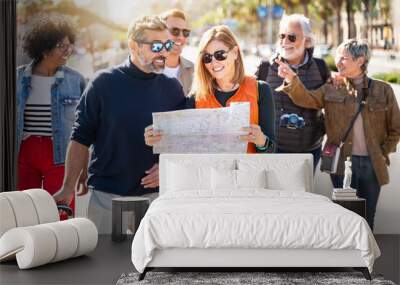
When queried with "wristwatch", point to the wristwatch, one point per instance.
{"points": [[268, 143]]}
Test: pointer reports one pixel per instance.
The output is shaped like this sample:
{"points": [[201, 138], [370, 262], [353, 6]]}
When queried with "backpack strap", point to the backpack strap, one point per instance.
{"points": [[262, 89], [365, 93], [323, 69], [262, 71]]}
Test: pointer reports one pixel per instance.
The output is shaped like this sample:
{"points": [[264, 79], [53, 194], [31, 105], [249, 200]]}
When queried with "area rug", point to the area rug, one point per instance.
{"points": [[244, 278]]}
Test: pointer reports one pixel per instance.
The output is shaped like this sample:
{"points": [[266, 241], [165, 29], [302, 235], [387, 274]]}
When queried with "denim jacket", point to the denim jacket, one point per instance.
{"points": [[65, 94]]}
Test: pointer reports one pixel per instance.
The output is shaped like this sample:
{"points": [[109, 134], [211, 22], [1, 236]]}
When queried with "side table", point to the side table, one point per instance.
{"points": [[138, 205], [357, 205]]}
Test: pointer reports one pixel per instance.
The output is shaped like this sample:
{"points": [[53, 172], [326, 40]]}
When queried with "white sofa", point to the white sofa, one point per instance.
{"points": [[240, 210], [31, 232]]}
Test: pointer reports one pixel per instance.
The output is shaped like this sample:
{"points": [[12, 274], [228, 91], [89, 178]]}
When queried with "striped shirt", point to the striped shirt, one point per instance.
{"points": [[37, 112]]}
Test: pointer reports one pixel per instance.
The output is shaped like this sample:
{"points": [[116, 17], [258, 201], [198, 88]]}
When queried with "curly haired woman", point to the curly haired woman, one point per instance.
{"points": [[47, 94]]}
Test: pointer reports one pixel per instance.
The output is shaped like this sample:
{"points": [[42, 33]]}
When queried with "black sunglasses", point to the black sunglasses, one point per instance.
{"points": [[176, 32], [157, 46], [291, 38], [219, 55]]}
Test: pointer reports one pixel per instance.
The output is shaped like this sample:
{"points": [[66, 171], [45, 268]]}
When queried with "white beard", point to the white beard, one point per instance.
{"points": [[296, 53]]}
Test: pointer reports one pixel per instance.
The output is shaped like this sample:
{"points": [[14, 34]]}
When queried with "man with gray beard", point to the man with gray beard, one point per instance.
{"points": [[298, 130], [115, 108]]}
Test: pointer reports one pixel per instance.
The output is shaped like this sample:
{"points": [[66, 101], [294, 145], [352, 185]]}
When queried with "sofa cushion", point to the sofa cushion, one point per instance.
{"points": [[41, 244], [26, 208], [23, 208], [45, 205], [7, 218]]}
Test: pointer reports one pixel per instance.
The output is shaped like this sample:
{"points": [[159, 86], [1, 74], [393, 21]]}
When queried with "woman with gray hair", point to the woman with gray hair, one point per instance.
{"points": [[375, 130]]}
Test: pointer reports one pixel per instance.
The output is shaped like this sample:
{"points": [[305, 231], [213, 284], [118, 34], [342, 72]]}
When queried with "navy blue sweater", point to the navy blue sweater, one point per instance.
{"points": [[112, 114]]}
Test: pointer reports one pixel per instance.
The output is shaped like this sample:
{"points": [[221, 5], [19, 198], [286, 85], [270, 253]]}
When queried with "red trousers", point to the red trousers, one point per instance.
{"points": [[36, 168]]}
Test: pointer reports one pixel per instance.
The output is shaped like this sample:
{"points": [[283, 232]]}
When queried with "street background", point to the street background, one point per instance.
{"points": [[102, 43]]}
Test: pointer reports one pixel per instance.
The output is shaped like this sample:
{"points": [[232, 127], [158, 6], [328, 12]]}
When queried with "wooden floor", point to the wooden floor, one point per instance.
{"points": [[110, 260]]}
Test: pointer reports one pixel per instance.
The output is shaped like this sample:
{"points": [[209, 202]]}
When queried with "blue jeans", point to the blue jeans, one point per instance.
{"points": [[315, 152], [366, 183]]}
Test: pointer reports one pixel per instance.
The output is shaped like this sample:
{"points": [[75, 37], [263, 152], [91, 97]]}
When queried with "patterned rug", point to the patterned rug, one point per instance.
{"points": [[243, 278]]}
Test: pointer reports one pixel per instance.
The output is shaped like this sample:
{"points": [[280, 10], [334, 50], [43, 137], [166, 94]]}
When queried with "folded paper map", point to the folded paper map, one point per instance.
{"points": [[203, 130]]}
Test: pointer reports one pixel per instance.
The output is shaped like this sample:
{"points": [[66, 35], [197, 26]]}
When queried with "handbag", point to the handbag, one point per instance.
{"points": [[331, 152], [330, 157]]}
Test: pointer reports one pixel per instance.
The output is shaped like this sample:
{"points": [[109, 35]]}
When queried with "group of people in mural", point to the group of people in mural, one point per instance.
{"points": [[77, 136]]}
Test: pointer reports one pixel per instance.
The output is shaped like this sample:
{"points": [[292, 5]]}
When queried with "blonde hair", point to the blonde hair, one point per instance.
{"points": [[175, 13], [137, 29], [203, 83]]}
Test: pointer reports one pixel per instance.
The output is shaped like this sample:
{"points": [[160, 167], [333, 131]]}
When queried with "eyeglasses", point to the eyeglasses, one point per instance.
{"points": [[219, 55], [157, 46], [65, 48], [291, 37], [176, 32]]}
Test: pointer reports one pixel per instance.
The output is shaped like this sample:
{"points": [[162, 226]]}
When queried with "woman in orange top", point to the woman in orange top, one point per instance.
{"points": [[220, 79]]}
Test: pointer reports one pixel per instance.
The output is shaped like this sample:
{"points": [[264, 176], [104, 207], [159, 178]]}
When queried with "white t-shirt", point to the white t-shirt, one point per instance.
{"points": [[37, 112], [171, 72]]}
